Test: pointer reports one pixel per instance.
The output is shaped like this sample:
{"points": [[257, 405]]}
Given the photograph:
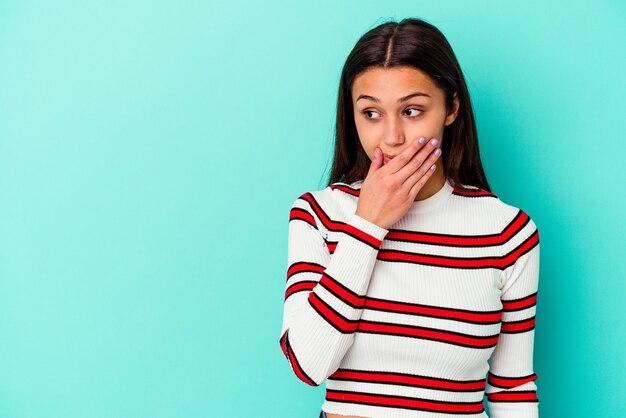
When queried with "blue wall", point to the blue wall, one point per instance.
{"points": [[149, 152]]}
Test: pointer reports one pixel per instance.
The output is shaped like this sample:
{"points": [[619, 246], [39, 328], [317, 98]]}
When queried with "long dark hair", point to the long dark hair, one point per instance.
{"points": [[416, 43]]}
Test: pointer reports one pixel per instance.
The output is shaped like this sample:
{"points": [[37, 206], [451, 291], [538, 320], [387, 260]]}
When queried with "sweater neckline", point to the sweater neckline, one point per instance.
{"points": [[428, 204], [432, 202]]}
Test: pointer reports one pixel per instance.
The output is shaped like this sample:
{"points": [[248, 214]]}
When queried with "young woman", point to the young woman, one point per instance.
{"points": [[411, 287]]}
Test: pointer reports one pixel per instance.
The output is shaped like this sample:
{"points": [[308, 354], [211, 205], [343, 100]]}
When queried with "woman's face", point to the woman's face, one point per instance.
{"points": [[394, 106]]}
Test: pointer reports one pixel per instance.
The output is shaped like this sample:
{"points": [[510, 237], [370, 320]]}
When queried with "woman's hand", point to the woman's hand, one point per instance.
{"points": [[388, 192]]}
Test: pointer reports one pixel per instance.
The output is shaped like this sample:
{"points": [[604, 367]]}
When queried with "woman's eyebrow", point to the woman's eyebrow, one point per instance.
{"points": [[400, 100]]}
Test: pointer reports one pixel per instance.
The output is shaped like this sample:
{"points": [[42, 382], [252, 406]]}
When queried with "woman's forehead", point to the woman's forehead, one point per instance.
{"points": [[393, 84]]}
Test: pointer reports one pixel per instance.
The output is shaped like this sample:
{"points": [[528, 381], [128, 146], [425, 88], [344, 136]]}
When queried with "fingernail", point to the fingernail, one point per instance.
{"points": [[422, 140], [438, 151], [376, 153], [434, 142]]}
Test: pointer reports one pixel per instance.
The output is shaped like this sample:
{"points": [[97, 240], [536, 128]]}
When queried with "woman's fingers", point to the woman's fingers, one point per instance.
{"points": [[377, 162], [425, 154], [425, 168], [398, 162], [417, 180]]}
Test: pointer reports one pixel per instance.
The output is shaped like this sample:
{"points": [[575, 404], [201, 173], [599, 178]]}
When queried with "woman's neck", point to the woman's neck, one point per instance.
{"points": [[432, 186]]}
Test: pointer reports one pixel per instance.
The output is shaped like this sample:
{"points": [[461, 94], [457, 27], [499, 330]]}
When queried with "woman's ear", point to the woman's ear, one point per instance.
{"points": [[455, 110]]}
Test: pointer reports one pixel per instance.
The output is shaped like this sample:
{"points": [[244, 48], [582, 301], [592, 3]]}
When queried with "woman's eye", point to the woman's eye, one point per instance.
{"points": [[366, 112], [415, 114]]}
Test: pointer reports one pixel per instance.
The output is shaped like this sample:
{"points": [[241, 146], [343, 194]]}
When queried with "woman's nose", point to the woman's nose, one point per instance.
{"points": [[394, 134]]}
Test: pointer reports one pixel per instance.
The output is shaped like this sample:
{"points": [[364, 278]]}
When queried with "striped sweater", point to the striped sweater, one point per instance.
{"points": [[419, 320]]}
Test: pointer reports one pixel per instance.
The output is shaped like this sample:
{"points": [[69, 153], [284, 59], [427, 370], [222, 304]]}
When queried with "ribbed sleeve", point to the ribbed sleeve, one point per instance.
{"points": [[511, 390], [324, 293]]}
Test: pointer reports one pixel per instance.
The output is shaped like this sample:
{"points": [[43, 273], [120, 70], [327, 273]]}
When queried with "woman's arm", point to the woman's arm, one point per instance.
{"points": [[324, 293], [511, 390]]}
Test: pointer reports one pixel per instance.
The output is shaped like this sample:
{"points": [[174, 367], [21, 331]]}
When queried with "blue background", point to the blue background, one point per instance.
{"points": [[149, 153]]}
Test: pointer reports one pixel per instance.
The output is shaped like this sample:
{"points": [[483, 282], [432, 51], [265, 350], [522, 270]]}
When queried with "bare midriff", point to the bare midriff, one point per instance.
{"points": [[329, 415]]}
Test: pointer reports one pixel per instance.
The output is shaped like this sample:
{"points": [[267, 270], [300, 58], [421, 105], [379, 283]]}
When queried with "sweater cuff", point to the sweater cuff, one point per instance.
{"points": [[354, 257], [376, 233]]}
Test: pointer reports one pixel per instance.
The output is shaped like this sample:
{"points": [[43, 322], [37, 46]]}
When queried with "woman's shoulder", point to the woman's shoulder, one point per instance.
{"points": [[489, 203], [331, 201]]}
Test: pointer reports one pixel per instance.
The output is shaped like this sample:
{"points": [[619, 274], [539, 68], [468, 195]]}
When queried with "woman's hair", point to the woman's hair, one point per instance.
{"points": [[415, 43]]}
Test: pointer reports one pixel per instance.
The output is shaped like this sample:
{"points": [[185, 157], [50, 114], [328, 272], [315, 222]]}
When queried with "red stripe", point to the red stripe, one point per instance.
{"points": [[339, 226], [326, 221], [518, 326], [296, 365], [519, 304], [511, 230], [345, 189], [408, 380], [509, 382], [283, 344], [531, 242], [362, 235], [479, 192], [512, 396], [392, 255], [458, 262], [342, 292], [343, 324], [301, 214], [456, 240], [306, 285], [432, 311], [427, 333], [301, 266], [404, 402]]}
